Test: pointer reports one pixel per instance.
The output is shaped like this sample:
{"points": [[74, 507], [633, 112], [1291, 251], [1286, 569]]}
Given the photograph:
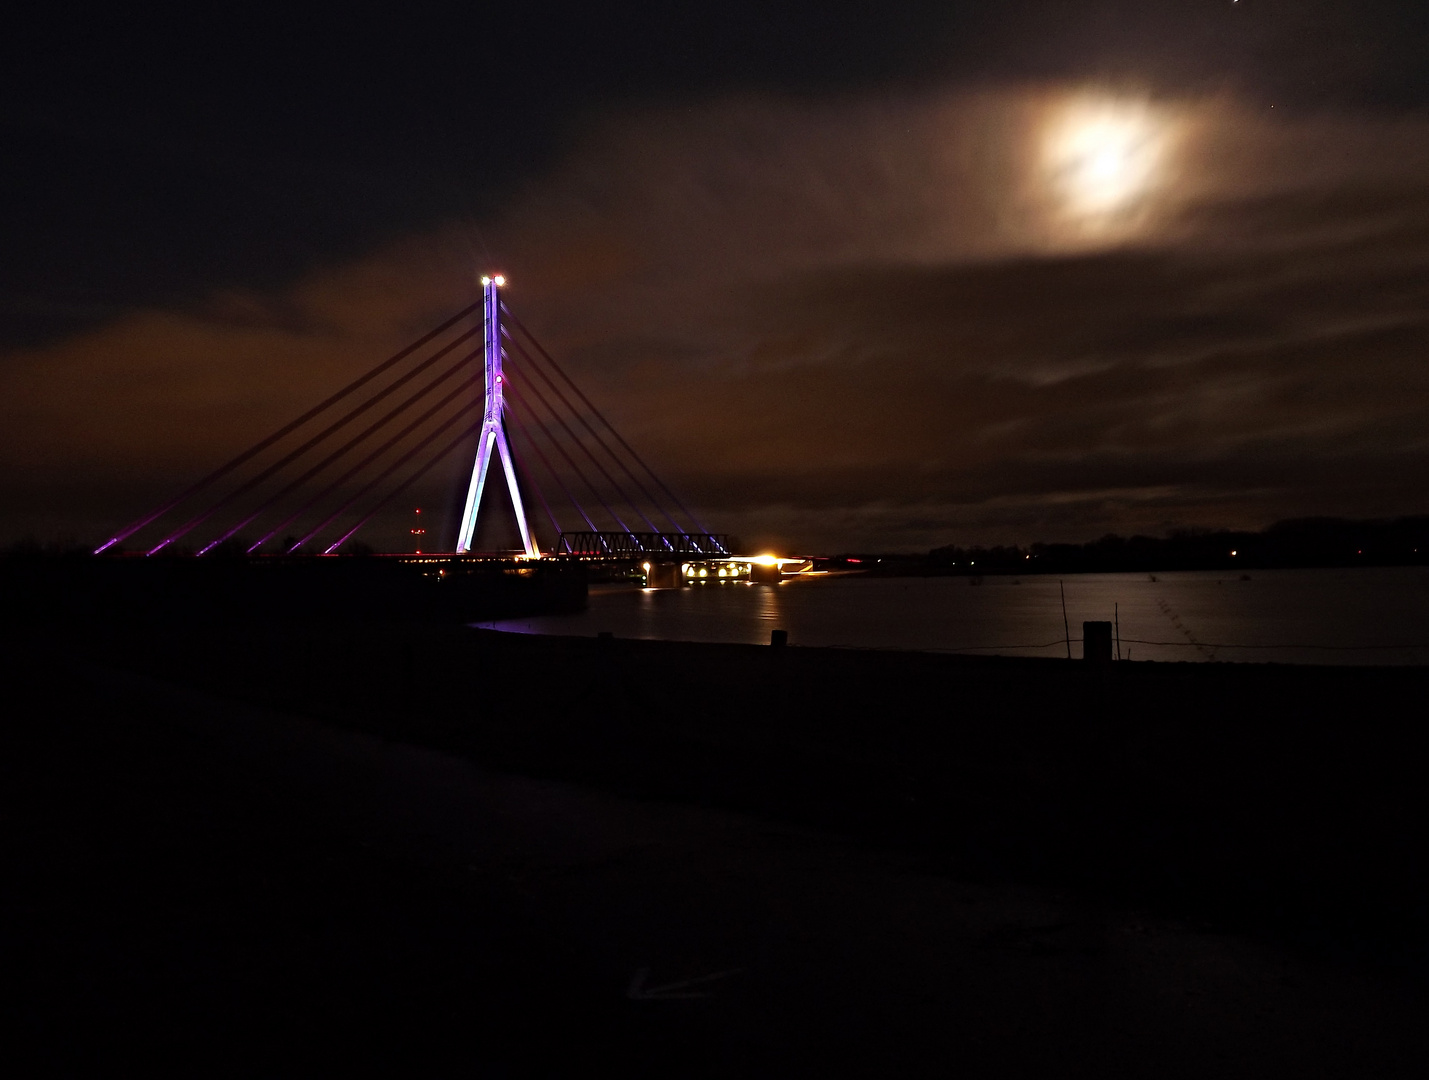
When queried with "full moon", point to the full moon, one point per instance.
{"points": [[1103, 157]]}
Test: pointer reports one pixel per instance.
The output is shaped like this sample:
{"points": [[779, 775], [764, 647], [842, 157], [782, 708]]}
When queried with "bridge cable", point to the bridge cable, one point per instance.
{"points": [[257, 448], [421, 445], [602, 444], [345, 506], [405, 484], [342, 422], [555, 414], [531, 480], [581, 417], [516, 322], [530, 440], [368, 460], [557, 417], [356, 440], [560, 450]]}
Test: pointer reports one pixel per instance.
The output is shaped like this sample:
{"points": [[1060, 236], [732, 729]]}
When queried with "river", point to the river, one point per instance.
{"points": [[1352, 616]]}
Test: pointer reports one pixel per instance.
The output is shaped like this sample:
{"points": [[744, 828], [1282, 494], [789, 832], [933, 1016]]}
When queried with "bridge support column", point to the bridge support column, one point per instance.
{"points": [[493, 432], [766, 573], [664, 575]]}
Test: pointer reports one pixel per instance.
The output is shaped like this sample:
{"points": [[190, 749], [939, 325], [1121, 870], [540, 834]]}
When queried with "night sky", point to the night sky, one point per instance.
{"points": [[877, 276]]}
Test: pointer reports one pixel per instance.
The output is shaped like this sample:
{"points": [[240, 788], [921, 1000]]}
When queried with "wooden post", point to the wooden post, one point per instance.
{"points": [[1066, 630]]}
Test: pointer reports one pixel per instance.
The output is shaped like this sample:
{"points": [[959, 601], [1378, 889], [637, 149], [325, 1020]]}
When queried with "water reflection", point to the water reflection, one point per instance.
{"points": [[1369, 616], [767, 599]]}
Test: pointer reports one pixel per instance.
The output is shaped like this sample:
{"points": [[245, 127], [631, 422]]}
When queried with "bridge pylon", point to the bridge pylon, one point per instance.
{"points": [[493, 431]]}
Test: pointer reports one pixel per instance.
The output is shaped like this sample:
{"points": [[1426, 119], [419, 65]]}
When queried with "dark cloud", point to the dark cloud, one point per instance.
{"points": [[841, 309], [153, 154], [1253, 355]]}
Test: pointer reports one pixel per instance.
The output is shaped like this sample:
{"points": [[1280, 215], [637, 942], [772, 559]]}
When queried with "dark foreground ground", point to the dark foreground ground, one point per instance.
{"points": [[283, 849]]}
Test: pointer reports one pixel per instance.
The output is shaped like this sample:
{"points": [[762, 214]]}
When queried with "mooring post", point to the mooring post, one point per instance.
{"points": [[1096, 642]]}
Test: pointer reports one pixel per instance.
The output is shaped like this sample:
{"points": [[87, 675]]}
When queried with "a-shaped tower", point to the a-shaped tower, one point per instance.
{"points": [[493, 431]]}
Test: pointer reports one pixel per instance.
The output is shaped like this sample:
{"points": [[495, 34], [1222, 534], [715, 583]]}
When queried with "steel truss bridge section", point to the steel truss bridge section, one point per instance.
{"points": [[656, 544]]}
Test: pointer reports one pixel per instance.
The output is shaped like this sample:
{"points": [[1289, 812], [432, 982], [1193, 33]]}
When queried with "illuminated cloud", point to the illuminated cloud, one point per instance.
{"points": [[1032, 313]]}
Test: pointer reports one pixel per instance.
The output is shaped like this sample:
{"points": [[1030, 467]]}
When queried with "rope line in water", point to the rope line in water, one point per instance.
{"points": [[1214, 645], [1177, 644], [1061, 641], [1130, 641]]}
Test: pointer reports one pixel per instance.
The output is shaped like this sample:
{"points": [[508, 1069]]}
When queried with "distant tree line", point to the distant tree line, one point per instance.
{"points": [[1303, 542]]}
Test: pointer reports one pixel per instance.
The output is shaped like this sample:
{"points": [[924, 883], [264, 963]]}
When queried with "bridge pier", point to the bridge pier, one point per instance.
{"points": [[663, 575], [766, 573]]}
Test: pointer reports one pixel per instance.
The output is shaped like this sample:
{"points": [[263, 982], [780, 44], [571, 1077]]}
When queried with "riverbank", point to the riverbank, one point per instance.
{"points": [[1284, 800], [199, 885], [936, 869], [78, 589]]}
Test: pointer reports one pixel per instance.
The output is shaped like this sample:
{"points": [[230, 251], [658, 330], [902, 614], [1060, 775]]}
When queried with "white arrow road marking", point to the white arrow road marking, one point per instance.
{"points": [[672, 991]]}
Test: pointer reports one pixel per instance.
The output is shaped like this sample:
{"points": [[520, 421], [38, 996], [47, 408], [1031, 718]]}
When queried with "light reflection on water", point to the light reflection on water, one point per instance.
{"points": [[1206, 615]]}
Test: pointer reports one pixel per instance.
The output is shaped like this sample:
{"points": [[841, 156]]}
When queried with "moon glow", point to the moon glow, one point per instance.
{"points": [[1103, 157]]}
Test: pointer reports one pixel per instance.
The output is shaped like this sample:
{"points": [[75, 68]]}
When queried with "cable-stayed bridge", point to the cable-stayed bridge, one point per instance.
{"points": [[480, 377]]}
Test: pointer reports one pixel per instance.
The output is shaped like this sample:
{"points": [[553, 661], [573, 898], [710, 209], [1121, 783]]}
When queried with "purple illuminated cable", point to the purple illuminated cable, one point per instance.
{"points": [[586, 450], [511, 388], [531, 480], [405, 484], [536, 446], [515, 414], [600, 443], [342, 450], [425, 441], [368, 460], [551, 469], [610, 427], [257, 448], [342, 422], [555, 415], [514, 321]]}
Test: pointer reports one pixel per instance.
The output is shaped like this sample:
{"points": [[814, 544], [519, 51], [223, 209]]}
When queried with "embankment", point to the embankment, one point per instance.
{"points": [[39, 589], [1287, 801]]}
